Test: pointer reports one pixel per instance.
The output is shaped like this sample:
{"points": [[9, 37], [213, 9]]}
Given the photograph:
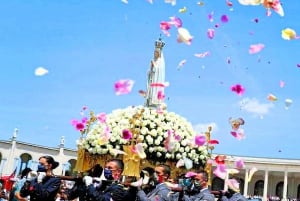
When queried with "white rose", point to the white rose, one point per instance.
{"points": [[151, 149], [152, 125], [144, 130], [158, 154], [149, 139], [145, 145], [178, 156], [156, 142], [181, 149], [183, 142], [153, 133], [187, 149], [168, 155]]}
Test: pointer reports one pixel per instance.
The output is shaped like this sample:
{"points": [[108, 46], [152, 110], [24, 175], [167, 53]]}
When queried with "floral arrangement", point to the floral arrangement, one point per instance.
{"points": [[161, 135]]}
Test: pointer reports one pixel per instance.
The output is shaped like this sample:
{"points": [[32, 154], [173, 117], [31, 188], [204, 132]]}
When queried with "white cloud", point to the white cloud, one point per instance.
{"points": [[255, 107], [40, 71], [202, 128]]}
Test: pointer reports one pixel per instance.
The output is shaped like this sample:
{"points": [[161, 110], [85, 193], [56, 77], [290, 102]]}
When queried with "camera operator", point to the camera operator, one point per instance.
{"points": [[233, 193]]}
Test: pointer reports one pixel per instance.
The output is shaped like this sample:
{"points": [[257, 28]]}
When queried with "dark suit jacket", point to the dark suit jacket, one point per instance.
{"points": [[160, 193], [45, 190]]}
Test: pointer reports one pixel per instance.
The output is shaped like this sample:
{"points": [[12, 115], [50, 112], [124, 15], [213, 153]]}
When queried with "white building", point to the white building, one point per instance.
{"points": [[274, 177]]}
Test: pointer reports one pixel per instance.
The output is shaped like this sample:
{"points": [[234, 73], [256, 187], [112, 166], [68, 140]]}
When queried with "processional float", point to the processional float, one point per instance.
{"points": [[154, 134]]}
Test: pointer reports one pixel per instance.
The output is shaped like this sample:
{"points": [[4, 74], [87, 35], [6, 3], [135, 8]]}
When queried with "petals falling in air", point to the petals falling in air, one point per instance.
{"points": [[288, 34], [202, 55], [40, 71], [184, 36], [101, 117], [255, 48], [224, 18], [210, 33], [238, 89], [272, 97], [175, 21], [200, 140], [239, 164], [123, 86]]}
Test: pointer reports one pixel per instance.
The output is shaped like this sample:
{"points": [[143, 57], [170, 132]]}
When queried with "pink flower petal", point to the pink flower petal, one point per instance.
{"points": [[210, 33], [123, 86], [159, 84], [202, 55], [255, 48], [224, 18], [281, 84], [212, 142], [80, 126], [74, 122], [239, 164], [238, 89], [101, 117], [200, 140], [176, 22], [190, 174], [160, 95], [165, 25], [220, 171], [127, 135], [84, 120], [239, 134], [210, 16], [181, 63]]}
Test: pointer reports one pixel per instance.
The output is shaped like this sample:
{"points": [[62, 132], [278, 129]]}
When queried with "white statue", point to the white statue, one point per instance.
{"points": [[15, 134], [156, 76], [62, 140]]}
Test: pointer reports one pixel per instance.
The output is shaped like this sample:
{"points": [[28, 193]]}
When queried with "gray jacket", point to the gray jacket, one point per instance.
{"points": [[160, 193], [204, 194]]}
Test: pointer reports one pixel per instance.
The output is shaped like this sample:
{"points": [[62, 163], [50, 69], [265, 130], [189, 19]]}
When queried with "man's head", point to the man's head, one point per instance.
{"points": [[25, 172], [162, 173], [113, 169], [201, 179]]}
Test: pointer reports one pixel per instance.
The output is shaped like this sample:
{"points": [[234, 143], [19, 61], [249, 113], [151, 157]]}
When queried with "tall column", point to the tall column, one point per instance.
{"points": [[284, 194], [9, 168], [246, 183], [265, 195]]}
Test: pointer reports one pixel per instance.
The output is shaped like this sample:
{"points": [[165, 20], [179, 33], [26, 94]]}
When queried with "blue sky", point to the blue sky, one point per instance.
{"points": [[88, 45]]}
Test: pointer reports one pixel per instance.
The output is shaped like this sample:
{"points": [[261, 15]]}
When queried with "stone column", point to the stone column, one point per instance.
{"points": [[284, 194], [246, 183], [10, 159], [265, 195]]}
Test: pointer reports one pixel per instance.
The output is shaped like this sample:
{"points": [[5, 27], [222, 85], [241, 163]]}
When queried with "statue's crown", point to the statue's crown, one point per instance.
{"points": [[159, 44]]}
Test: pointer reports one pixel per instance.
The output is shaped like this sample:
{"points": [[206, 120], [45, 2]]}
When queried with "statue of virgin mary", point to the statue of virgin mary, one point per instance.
{"points": [[156, 76]]}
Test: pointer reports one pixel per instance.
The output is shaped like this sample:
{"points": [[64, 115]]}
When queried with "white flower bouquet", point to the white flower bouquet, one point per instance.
{"points": [[163, 136]]}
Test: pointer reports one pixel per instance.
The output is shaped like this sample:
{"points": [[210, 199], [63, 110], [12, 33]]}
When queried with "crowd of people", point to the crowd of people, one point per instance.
{"points": [[108, 184]]}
